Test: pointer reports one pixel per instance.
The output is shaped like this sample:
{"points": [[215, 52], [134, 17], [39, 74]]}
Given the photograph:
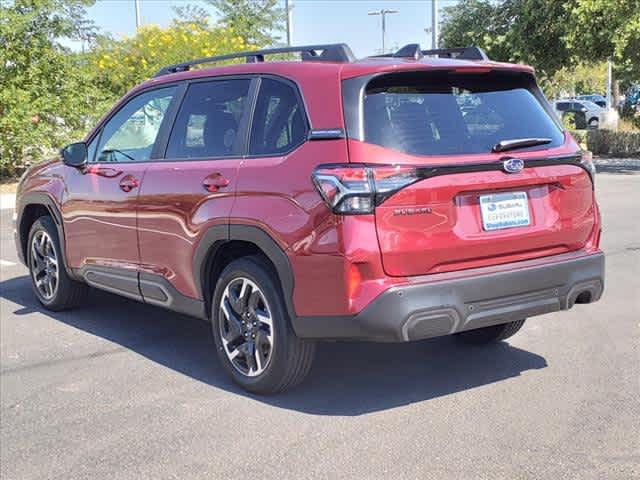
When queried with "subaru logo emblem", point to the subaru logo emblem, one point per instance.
{"points": [[512, 165]]}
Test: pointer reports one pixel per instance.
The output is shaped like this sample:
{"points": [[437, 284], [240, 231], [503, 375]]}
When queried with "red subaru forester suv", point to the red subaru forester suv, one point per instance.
{"points": [[393, 198]]}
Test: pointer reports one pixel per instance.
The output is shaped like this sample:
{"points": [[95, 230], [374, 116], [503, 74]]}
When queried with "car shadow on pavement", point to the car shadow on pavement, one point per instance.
{"points": [[348, 378]]}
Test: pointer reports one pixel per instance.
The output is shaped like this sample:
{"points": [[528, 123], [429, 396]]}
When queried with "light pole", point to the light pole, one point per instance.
{"points": [[138, 18], [383, 13], [434, 23], [288, 5]]}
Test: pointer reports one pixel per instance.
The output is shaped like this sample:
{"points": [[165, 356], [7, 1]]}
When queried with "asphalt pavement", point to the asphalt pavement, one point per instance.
{"points": [[120, 390]]}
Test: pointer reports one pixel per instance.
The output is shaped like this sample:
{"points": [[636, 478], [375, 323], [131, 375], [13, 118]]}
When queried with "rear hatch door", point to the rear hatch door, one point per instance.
{"points": [[469, 203]]}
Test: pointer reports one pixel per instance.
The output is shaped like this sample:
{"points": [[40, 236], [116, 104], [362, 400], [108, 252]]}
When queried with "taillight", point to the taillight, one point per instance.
{"points": [[353, 189]]}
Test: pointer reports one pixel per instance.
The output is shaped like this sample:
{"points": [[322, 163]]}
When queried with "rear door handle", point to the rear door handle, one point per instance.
{"points": [[128, 183], [215, 182]]}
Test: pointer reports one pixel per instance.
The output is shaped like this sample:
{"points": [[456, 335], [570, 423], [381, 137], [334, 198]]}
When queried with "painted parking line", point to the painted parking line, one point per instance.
{"points": [[7, 201]]}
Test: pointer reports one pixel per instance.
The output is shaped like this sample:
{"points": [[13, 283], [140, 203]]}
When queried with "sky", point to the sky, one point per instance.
{"points": [[314, 21]]}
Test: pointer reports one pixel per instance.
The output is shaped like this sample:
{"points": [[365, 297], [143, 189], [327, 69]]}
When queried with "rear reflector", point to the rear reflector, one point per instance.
{"points": [[355, 279], [354, 189]]}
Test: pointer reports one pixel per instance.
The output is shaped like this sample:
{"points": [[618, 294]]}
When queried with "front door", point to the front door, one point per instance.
{"points": [[99, 207]]}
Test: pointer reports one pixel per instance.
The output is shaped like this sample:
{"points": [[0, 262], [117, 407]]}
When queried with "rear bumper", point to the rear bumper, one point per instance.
{"points": [[480, 298]]}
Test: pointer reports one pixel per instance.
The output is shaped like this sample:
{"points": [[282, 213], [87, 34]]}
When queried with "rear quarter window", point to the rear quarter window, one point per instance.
{"points": [[279, 123], [445, 113]]}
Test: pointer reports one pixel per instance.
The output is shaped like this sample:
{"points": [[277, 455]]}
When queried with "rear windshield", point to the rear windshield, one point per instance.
{"points": [[447, 113]]}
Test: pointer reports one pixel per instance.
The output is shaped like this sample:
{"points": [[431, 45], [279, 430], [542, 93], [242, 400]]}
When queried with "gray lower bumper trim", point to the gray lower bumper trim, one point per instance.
{"points": [[425, 310]]}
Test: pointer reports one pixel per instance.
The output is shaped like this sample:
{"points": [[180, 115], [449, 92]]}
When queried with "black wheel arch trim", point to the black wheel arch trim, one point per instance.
{"points": [[216, 236], [45, 200], [205, 253], [274, 253]]}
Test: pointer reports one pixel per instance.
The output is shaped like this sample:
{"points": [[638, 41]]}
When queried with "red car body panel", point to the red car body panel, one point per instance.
{"points": [[46, 177], [293, 213], [100, 219], [448, 234], [175, 210]]}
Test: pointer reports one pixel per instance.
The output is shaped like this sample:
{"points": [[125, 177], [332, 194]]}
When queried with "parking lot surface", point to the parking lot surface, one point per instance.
{"points": [[120, 390]]}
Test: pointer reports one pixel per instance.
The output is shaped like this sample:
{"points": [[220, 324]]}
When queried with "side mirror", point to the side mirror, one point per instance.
{"points": [[75, 154]]}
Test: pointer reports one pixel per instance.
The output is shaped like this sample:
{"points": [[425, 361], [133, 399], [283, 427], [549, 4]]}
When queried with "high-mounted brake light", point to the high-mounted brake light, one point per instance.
{"points": [[472, 70], [355, 189]]}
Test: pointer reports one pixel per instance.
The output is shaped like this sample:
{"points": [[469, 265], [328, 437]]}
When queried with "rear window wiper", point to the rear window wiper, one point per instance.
{"points": [[504, 145]]}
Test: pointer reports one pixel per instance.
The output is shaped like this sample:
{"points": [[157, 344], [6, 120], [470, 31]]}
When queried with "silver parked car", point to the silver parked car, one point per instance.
{"points": [[588, 114]]}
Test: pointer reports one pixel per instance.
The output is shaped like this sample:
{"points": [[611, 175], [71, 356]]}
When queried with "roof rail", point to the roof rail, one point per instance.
{"points": [[460, 53], [335, 52], [413, 50]]}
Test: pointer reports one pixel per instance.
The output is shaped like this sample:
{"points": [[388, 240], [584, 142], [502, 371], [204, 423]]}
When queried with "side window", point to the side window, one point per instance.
{"points": [[279, 124], [562, 106], [91, 148], [208, 121], [130, 134]]}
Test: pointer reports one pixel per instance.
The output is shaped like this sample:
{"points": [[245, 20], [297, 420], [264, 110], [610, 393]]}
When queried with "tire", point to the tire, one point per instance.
{"points": [[44, 260], [252, 330], [492, 334]]}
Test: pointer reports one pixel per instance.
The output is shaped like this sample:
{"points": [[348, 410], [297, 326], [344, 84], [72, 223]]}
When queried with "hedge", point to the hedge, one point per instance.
{"points": [[609, 142]]}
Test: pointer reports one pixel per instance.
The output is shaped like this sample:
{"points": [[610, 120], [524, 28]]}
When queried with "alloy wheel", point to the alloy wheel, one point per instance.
{"points": [[44, 264], [246, 327]]}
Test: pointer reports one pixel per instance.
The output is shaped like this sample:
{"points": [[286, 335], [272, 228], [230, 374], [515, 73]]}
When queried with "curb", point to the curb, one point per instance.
{"points": [[617, 165]]}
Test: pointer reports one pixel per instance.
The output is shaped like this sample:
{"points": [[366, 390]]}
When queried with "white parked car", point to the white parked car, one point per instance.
{"points": [[593, 114]]}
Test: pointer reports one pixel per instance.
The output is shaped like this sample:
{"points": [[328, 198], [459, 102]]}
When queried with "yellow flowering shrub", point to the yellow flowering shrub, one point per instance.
{"points": [[123, 63]]}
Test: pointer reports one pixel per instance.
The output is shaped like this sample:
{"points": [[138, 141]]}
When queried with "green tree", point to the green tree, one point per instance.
{"points": [[536, 34], [476, 22], [577, 79], [528, 31], [550, 35], [603, 29], [256, 21], [45, 94]]}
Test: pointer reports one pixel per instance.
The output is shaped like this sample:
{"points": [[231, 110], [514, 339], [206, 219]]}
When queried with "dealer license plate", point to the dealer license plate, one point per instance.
{"points": [[504, 210]]}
